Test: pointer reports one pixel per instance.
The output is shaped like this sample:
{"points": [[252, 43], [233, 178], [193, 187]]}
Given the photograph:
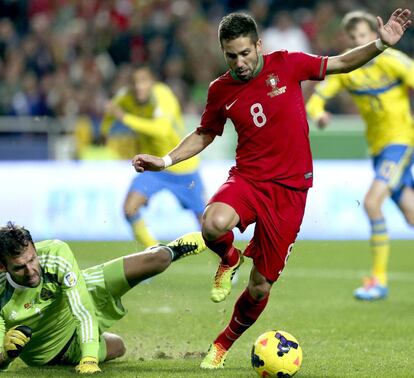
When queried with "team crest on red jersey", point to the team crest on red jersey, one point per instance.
{"points": [[272, 82]]}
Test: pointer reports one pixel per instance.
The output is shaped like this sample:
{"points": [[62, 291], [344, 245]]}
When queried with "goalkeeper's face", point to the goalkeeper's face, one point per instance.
{"points": [[24, 269]]}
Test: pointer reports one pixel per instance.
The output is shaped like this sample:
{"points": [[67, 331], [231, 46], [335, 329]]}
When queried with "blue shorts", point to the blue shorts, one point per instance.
{"points": [[393, 166], [187, 188]]}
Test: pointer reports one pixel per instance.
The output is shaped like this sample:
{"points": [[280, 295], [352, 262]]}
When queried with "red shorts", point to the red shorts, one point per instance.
{"points": [[278, 213]]}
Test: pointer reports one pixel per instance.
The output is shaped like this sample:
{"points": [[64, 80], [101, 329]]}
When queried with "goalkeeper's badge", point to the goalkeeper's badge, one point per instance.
{"points": [[70, 279]]}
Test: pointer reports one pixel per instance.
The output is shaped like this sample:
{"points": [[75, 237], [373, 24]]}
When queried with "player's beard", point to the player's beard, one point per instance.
{"points": [[251, 70], [33, 281]]}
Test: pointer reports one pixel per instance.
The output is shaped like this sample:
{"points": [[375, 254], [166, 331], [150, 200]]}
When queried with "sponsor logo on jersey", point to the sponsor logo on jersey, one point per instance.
{"points": [[13, 315], [27, 306], [46, 294], [272, 81], [308, 175], [70, 279]]}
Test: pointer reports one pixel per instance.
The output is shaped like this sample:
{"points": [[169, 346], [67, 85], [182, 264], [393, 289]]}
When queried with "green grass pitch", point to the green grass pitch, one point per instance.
{"points": [[171, 320]]}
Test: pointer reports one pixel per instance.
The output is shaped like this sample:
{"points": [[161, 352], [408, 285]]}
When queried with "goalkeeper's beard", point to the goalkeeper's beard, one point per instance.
{"points": [[33, 281]]}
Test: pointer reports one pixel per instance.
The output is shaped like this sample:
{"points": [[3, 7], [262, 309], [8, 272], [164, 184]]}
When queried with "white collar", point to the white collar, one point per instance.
{"points": [[14, 284]]}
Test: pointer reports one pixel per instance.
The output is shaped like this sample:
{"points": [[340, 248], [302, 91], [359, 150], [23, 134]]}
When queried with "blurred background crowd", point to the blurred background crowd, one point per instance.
{"points": [[65, 58]]}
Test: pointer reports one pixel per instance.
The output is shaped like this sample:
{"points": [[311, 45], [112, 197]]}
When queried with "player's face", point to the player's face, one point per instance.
{"points": [[242, 56], [362, 34], [25, 268], [143, 82]]}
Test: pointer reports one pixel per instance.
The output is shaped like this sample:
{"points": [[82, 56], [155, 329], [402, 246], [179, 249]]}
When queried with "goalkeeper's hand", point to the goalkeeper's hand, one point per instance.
{"points": [[88, 365], [16, 339]]}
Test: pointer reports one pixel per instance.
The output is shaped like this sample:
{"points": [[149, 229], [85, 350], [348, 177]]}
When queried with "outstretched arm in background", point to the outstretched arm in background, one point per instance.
{"points": [[191, 145], [390, 34]]}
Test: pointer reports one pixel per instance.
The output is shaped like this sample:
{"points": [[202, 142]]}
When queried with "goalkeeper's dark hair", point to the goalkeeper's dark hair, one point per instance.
{"points": [[351, 19], [13, 240], [236, 25]]}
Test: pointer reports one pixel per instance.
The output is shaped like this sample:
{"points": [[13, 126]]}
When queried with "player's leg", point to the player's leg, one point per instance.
{"points": [[375, 287], [218, 221], [405, 198], [390, 168], [115, 346], [247, 309], [279, 216], [229, 207], [142, 188], [143, 265], [406, 204]]}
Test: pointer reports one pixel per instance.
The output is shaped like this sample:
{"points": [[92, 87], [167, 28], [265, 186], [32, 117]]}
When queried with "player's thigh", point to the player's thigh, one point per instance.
{"points": [[280, 215], [392, 168], [406, 204], [234, 204]]}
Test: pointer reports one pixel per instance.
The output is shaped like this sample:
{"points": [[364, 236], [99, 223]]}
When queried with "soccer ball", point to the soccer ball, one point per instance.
{"points": [[276, 354]]}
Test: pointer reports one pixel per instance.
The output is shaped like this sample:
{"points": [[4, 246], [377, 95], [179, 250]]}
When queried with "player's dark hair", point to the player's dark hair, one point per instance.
{"points": [[236, 25], [351, 19], [13, 240]]}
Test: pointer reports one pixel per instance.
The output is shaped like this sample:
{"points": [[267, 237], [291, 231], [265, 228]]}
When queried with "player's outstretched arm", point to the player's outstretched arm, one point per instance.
{"points": [[191, 145], [390, 34]]}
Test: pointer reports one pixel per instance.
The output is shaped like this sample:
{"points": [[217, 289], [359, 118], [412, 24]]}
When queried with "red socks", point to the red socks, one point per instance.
{"points": [[223, 246], [246, 311]]}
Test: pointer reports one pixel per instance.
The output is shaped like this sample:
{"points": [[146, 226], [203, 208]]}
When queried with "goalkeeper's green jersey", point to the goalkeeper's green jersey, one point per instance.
{"points": [[59, 308]]}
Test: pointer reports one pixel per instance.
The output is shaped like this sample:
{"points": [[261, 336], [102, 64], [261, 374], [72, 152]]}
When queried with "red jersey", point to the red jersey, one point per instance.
{"points": [[268, 113]]}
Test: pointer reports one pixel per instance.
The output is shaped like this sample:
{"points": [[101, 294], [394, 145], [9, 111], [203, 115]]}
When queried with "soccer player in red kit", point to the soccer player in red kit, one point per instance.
{"points": [[268, 185]]}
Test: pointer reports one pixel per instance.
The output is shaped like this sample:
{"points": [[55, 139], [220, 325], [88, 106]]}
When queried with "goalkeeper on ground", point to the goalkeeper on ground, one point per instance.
{"points": [[380, 89], [51, 312]]}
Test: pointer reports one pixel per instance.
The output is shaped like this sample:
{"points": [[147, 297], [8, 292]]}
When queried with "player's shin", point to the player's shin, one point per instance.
{"points": [[246, 311], [223, 246], [142, 233], [380, 247]]}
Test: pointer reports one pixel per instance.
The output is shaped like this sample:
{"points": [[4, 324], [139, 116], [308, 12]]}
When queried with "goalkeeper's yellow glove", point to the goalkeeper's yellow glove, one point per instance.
{"points": [[88, 365], [16, 339]]}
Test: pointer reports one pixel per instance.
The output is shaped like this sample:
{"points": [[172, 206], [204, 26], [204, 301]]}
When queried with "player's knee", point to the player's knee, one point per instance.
{"points": [[371, 206], [214, 227], [164, 258], [130, 211], [115, 346], [259, 291]]}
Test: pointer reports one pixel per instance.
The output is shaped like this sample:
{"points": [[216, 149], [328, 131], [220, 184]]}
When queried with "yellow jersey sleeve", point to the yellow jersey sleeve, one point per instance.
{"points": [[324, 91], [158, 124]]}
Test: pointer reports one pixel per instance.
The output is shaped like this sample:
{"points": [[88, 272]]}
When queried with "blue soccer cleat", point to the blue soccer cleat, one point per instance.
{"points": [[371, 291]]}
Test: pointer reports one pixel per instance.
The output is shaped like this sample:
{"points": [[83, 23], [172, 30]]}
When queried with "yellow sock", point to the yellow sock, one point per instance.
{"points": [[380, 248], [142, 234]]}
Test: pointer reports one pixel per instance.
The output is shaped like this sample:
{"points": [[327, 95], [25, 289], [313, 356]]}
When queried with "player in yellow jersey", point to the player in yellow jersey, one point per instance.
{"points": [[380, 89], [151, 110]]}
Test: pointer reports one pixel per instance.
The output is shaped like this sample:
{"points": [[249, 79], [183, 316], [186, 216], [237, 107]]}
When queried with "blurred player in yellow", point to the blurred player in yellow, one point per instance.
{"points": [[152, 112], [380, 89]]}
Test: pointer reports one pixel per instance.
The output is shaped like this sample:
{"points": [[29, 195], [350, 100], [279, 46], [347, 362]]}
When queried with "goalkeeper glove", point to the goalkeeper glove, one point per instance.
{"points": [[88, 365], [16, 339]]}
